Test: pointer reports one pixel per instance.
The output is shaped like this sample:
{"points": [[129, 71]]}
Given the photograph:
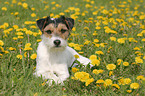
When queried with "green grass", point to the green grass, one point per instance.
{"points": [[16, 75]]}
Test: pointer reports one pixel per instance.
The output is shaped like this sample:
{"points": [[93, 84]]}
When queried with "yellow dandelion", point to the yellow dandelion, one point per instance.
{"points": [[111, 73], [144, 57], [96, 40], [95, 71], [127, 80], [25, 5], [76, 56], [108, 82], [19, 56], [95, 62], [53, 3], [27, 46], [134, 85], [82, 76], [15, 26], [4, 8], [116, 86], [100, 81], [136, 48], [112, 38], [1, 43], [121, 40], [12, 49], [33, 56], [33, 9], [125, 63], [138, 60], [93, 57], [99, 52], [129, 91], [15, 38], [111, 66], [119, 61], [89, 81], [39, 40], [77, 48], [19, 33], [6, 52], [74, 69], [140, 77], [143, 40], [33, 15], [16, 13]]}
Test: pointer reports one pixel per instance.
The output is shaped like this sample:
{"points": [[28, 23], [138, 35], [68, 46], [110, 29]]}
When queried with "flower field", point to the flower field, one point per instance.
{"points": [[111, 33]]}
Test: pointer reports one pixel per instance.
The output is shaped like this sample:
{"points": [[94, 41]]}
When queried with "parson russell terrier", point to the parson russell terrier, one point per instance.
{"points": [[53, 55]]}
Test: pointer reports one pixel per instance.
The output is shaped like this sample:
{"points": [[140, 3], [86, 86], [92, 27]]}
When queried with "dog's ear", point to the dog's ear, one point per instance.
{"points": [[41, 23], [69, 22]]}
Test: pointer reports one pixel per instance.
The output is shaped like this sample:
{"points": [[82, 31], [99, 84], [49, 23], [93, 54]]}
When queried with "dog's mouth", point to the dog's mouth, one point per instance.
{"points": [[57, 46]]}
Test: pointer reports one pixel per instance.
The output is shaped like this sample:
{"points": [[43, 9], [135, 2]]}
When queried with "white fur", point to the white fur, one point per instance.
{"points": [[53, 62]]}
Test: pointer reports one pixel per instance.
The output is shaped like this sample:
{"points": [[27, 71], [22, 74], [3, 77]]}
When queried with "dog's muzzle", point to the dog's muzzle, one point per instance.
{"points": [[57, 43]]}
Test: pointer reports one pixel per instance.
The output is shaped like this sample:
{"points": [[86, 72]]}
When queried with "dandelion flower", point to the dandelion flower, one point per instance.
{"points": [[82, 76], [127, 80], [138, 60], [89, 81], [111, 66], [108, 82], [100, 81], [1, 43], [140, 77], [99, 52], [27, 46], [93, 57], [134, 85], [25, 5], [129, 91], [95, 71], [95, 62], [143, 40], [19, 56], [112, 38], [125, 63], [76, 56], [110, 73], [4, 8], [33, 56], [121, 40], [115, 85], [74, 69], [33, 15], [96, 40], [12, 49], [119, 61]]}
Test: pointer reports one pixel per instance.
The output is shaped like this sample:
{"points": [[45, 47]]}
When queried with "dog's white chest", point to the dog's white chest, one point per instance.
{"points": [[62, 57]]}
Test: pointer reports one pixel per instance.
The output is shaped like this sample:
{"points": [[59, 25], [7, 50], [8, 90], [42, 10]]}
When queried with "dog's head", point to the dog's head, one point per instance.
{"points": [[55, 31]]}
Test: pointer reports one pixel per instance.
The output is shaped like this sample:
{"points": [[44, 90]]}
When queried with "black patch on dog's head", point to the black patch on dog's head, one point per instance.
{"points": [[42, 23]]}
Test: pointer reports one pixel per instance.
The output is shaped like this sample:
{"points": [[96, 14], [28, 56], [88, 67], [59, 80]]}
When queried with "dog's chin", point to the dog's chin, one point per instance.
{"points": [[58, 48]]}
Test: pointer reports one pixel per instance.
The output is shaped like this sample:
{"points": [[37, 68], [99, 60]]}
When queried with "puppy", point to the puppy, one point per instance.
{"points": [[53, 55]]}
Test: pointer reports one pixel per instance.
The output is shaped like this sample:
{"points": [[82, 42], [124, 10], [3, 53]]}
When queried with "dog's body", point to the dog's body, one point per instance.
{"points": [[53, 55]]}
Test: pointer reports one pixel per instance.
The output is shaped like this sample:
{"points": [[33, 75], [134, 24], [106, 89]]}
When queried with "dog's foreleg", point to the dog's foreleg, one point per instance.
{"points": [[83, 60], [62, 72]]}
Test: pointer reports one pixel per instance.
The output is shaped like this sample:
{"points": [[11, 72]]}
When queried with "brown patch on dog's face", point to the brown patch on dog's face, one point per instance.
{"points": [[61, 30]]}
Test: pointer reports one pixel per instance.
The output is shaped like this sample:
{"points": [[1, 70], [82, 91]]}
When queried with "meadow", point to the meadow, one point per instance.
{"points": [[111, 33]]}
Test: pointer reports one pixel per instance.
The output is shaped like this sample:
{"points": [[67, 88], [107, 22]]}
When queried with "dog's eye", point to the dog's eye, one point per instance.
{"points": [[49, 31], [63, 30]]}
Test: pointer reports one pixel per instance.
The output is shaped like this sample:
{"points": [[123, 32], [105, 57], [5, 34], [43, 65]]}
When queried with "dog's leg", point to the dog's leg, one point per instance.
{"points": [[83, 60], [62, 72]]}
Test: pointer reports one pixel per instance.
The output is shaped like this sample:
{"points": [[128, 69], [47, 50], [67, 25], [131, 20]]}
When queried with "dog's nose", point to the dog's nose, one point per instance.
{"points": [[57, 42]]}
